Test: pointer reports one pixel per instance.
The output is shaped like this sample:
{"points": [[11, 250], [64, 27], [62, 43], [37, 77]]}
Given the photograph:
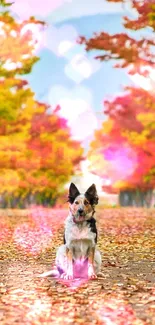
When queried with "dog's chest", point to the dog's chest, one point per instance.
{"points": [[79, 233]]}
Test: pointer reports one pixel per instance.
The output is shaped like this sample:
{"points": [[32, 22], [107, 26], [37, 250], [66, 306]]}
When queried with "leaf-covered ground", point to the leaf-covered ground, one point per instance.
{"points": [[124, 294]]}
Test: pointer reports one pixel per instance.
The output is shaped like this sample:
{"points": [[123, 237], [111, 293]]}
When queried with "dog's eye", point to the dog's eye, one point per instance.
{"points": [[76, 202], [86, 202]]}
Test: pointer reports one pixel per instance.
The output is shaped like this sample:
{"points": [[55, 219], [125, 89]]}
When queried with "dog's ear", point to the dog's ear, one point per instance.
{"points": [[91, 195], [73, 193]]}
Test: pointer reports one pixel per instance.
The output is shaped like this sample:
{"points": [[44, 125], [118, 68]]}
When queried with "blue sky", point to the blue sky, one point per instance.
{"points": [[104, 82], [66, 74]]}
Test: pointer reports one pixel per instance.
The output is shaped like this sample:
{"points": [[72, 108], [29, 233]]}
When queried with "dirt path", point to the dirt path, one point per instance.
{"points": [[123, 295]]}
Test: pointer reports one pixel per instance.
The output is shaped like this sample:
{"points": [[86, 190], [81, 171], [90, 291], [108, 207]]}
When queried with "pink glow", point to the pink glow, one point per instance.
{"points": [[123, 161], [117, 312], [28, 8], [73, 284], [47, 217], [36, 235], [32, 240], [80, 269]]}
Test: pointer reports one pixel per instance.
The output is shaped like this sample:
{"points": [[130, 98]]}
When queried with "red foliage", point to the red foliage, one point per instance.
{"points": [[44, 123], [125, 109], [124, 48], [127, 142]]}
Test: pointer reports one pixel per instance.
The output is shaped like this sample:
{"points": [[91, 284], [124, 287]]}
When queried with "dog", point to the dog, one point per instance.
{"points": [[78, 257]]}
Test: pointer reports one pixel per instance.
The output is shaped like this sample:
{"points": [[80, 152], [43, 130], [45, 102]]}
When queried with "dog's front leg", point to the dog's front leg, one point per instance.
{"points": [[69, 274], [91, 272]]}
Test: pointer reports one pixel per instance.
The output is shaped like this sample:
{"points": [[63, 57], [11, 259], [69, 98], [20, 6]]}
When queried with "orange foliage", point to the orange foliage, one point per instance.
{"points": [[129, 51], [37, 154], [123, 152]]}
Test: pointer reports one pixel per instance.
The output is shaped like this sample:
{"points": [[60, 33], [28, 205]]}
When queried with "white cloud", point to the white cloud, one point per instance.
{"points": [[76, 107], [78, 8], [84, 125], [60, 40], [58, 92], [26, 8], [64, 47], [61, 10], [148, 82], [80, 68], [72, 109], [63, 42]]}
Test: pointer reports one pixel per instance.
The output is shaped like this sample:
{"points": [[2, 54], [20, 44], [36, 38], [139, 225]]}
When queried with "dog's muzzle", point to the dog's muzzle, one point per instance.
{"points": [[80, 216], [81, 212]]}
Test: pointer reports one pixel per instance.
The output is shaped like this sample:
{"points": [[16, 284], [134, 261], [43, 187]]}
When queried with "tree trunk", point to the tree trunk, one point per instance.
{"points": [[126, 198], [136, 198], [8, 200]]}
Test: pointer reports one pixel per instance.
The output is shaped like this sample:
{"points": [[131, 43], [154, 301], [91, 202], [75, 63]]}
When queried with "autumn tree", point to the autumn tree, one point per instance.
{"points": [[128, 51], [17, 57], [123, 152], [129, 140], [37, 154]]}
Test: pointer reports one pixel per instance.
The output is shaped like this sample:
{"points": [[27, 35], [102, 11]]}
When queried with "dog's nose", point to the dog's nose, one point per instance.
{"points": [[80, 211]]}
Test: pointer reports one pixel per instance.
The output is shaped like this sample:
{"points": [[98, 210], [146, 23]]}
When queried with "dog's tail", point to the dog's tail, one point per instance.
{"points": [[54, 273]]}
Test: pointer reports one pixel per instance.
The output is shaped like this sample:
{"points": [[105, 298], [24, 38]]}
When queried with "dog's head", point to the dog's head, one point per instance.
{"points": [[82, 205]]}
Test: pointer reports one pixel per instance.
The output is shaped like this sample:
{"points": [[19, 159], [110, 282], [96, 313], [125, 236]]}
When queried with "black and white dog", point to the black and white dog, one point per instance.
{"points": [[78, 257]]}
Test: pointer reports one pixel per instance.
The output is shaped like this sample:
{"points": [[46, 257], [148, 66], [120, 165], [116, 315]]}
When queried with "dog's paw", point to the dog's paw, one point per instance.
{"points": [[91, 273], [92, 276], [67, 276], [53, 273]]}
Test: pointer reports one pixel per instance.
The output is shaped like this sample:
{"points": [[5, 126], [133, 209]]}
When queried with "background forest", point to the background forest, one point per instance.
{"points": [[39, 152]]}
